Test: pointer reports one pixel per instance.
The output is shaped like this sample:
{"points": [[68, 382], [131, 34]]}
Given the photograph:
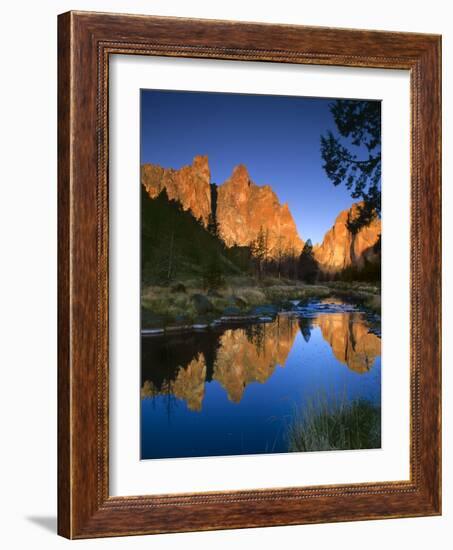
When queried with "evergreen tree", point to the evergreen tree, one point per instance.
{"points": [[213, 226], [308, 266], [213, 278], [359, 132], [259, 248], [279, 255]]}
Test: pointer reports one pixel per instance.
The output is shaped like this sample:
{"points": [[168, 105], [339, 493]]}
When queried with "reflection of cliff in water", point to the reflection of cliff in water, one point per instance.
{"points": [[246, 356], [180, 365], [350, 338]]}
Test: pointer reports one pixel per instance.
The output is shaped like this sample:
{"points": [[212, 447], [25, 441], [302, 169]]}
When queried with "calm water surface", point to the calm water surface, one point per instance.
{"points": [[235, 390]]}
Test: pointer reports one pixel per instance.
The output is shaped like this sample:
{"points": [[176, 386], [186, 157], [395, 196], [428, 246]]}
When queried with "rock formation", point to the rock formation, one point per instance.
{"points": [[242, 209], [341, 248], [189, 185]]}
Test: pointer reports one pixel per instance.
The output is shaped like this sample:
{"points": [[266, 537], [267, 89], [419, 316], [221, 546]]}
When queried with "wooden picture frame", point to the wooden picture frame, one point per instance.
{"points": [[85, 42]]}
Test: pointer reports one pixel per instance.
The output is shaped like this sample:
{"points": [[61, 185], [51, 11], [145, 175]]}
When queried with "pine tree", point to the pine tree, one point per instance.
{"points": [[353, 157], [308, 267], [213, 226], [259, 248], [279, 254], [213, 278]]}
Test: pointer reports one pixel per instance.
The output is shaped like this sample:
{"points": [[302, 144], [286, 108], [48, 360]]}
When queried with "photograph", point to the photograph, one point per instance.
{"points": [[260, 274], [218, 333]]}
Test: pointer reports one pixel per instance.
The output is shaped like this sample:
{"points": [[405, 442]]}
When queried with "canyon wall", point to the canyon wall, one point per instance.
{"points": [[242, 208], [341, 248]]}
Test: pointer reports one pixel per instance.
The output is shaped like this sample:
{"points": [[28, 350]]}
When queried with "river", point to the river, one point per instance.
{"points": [[235, 389]]}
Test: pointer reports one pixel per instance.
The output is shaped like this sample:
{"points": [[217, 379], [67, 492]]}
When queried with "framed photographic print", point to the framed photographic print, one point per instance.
{"points": [[249, 275]]}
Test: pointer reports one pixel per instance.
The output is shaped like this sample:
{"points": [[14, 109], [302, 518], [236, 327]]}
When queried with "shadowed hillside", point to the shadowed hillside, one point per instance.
{"points": [[176, 245]]}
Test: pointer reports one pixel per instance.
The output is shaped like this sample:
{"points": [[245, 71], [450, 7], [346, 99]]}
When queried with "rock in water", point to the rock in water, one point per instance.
{"points": [[231, 310], [268, 310], [202, 304], [237, 301]]}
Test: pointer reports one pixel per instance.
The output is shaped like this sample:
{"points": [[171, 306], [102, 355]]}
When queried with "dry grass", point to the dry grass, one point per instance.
{"points": [[166, 307], [251, 295]]}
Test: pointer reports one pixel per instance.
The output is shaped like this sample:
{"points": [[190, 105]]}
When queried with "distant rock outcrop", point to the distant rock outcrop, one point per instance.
{"points": [[341, 248]]}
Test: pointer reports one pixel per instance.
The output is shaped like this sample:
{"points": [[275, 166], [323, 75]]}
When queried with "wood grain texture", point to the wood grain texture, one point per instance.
{"points": [[64, 390], [86, 40]]}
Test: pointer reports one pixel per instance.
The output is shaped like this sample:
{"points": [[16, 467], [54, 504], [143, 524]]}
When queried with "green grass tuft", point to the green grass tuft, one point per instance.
{"points": [[325, 426]]}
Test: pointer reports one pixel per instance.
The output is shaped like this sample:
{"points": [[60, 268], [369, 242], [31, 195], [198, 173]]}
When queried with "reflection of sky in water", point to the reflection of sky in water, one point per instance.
{"points": [[258, 421]]}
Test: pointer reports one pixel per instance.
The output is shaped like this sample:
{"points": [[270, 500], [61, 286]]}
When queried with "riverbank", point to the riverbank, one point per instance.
{"points": [[185, 304]]}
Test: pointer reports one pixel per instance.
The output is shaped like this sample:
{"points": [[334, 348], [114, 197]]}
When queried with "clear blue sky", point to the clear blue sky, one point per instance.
{"points": [[276, 137]]}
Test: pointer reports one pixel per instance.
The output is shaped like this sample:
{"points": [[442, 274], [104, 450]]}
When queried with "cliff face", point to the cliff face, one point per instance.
{"points": [[190, 185], [242, 208], [340, 248]]}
